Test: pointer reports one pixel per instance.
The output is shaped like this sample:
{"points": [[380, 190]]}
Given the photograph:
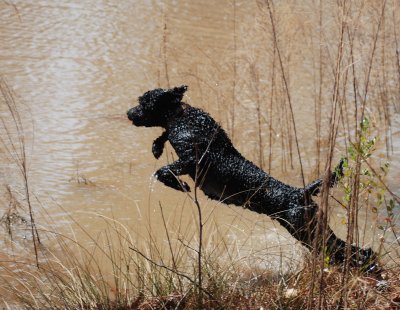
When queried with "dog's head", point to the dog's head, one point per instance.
{"points": [[157, 106]]}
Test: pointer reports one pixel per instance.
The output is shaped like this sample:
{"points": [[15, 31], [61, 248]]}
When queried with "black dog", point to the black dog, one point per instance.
{"points": [[207, 155]]}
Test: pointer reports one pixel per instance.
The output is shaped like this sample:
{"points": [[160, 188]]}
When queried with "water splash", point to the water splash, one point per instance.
{"points": [[152, 183]]}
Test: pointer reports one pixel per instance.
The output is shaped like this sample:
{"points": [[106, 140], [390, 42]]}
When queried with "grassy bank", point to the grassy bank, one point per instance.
{"points": [[115, 272]]}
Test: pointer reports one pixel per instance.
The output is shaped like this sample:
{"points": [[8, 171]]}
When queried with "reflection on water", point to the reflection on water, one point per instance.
{"points": [[80, 65]]}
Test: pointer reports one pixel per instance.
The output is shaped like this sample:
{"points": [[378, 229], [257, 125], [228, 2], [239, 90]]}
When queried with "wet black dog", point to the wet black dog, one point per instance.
{"points": [[206, 154]]}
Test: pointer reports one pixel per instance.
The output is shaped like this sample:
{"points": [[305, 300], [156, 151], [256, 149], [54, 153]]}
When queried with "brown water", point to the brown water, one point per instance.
{"points": [[77, 67]]}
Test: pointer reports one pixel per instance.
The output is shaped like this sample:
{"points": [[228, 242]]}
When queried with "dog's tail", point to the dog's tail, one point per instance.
{"points": [[314, 188]]}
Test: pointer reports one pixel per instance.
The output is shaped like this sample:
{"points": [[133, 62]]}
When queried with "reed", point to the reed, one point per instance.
{"points": [[14, 145]]}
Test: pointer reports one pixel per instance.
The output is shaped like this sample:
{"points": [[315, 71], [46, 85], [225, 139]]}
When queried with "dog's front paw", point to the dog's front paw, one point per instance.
{"points": [[157, 150], [168, 177]]}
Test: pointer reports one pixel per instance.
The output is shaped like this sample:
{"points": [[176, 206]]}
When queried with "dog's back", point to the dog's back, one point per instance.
{"points": [[220, 170]]}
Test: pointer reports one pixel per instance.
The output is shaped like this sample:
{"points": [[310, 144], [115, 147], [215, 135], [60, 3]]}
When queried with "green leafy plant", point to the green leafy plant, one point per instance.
{"points": [[372, 192]]}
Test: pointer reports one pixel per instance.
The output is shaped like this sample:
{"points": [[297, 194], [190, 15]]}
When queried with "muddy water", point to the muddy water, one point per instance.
{"points": [[77, 67]]}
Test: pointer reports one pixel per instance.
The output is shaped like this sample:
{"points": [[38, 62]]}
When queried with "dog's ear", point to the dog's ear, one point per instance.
{"points": [[179, 91]]}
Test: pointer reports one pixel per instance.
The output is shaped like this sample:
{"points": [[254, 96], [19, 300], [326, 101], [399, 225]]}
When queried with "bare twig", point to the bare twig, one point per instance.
{"points": [[175, 266], [274, 35]]}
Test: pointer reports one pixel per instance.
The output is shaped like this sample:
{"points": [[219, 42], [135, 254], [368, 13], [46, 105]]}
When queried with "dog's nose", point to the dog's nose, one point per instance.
{"points": [[129, 113]]}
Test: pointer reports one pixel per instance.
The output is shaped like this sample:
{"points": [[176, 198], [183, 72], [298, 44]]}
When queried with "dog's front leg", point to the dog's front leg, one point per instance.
{"points": [[169, 175], [158, 145]]}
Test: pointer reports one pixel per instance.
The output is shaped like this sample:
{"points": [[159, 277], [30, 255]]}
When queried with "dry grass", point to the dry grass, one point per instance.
{"points": [[75, 277]]}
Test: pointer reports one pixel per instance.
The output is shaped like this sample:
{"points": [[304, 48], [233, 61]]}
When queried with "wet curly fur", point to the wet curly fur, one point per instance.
{"points": [[206, 154]]}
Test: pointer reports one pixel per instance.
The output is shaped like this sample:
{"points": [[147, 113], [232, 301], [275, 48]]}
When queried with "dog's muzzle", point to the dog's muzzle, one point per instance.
{"points": [[135, 115]]}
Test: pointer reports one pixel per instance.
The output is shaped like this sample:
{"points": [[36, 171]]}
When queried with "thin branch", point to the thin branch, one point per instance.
{"points": [[274, 32]]}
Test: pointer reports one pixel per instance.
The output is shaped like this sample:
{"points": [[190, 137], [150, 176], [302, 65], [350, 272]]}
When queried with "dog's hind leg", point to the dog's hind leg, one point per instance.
{"points": [[366, 258], [158, 145], [169, 175], [299, 221]]}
